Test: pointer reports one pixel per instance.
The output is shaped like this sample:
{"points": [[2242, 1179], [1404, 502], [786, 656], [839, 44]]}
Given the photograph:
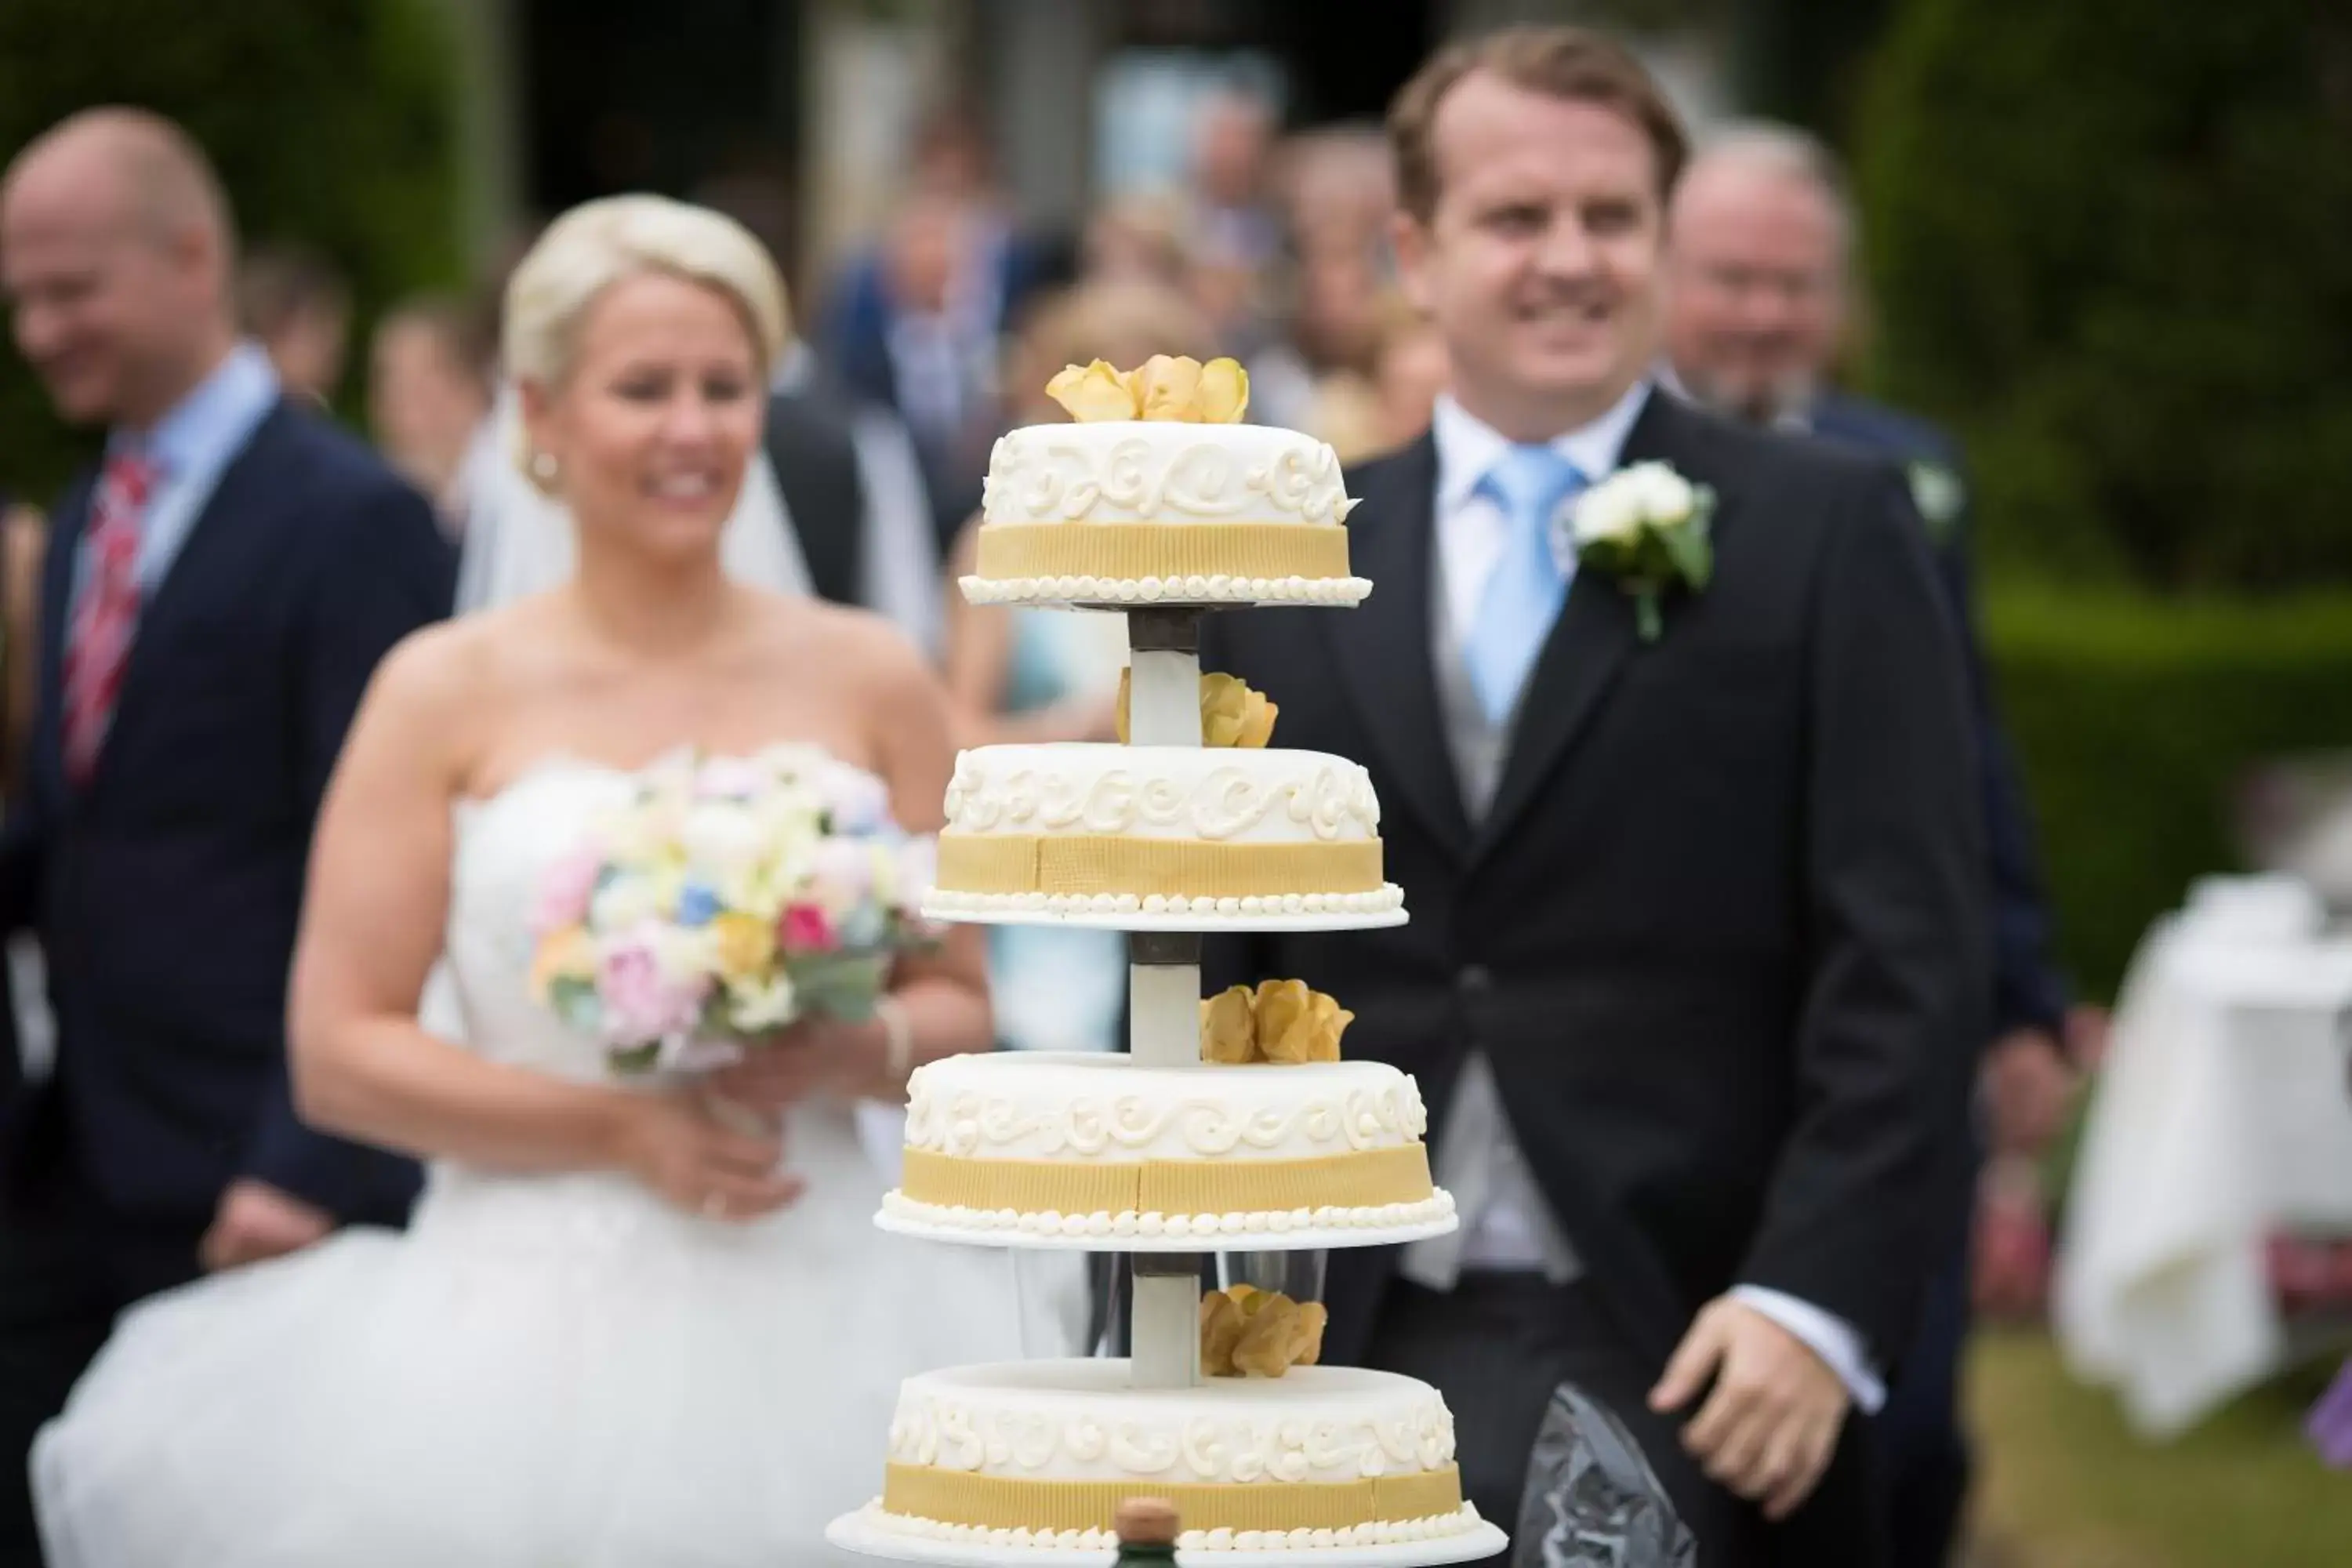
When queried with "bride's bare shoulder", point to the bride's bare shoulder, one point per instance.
{"points": [[452, 676]]}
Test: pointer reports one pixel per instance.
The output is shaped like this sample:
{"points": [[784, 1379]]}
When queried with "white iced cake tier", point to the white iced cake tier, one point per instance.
{"points": [[1099, 829], [1136, 512], [1041, 1453], [1098, 1145]]}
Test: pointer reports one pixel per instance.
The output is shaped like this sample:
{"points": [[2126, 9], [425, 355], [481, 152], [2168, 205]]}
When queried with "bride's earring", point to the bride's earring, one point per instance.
{"points": [[544, 467]]}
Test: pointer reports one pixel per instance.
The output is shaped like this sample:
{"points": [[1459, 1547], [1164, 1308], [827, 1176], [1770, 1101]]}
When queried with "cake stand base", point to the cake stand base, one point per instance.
{"points": [[864, 1534]]}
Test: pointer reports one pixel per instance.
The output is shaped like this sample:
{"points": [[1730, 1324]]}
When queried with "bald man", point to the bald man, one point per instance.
{"points": [[1757, 308], [217, 593]]}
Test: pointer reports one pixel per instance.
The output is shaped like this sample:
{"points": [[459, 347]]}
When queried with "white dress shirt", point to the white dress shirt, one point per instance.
{"points": [[1505, 1223]]}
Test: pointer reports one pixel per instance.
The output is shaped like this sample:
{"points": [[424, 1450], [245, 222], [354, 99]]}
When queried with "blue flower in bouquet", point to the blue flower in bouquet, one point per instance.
{"points": [[698, 906]]}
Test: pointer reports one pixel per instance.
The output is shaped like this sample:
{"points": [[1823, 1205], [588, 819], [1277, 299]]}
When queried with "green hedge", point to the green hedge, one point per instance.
{"points": [[333, 122], [2138, 720], [2111, 242]]}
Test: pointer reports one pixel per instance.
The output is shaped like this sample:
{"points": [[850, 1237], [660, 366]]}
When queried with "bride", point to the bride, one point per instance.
{"points": [[618, 1332]]}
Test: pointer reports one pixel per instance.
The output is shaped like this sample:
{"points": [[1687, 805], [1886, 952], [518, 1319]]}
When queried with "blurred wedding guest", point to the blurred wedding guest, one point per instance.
{"points": [[1042, 675], [1139, 237], [1760, 297], [427, 395], [1317, 374], [215, 599], [855, 497], [1234, 214], [1339, 190], [1409, 375], [297, 305], [916, 322], [1236, 226]]}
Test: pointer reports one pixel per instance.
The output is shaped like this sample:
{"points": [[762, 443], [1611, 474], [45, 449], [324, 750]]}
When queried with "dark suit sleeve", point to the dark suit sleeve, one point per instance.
{"points": [[1894, 917], [2028, 991], [384, 573]]}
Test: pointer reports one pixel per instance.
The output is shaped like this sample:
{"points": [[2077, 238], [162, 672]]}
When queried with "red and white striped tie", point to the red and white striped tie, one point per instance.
{"points": [[108, 614]]}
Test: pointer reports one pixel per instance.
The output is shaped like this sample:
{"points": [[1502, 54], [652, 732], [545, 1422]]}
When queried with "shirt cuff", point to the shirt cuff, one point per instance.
{"points": [[1830, 1337]]}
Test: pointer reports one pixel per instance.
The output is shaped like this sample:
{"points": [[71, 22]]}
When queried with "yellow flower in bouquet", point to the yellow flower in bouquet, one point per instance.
{"points": [[743, 945], [1234, 713], [566, 954]]}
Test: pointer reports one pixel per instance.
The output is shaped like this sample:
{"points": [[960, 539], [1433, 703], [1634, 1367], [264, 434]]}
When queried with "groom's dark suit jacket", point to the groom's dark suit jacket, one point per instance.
{"points": [[1721, 933], [165, 891]]}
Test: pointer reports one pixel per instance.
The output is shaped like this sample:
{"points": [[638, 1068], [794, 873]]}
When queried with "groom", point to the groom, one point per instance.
{"points": [[1695, 951], [216, 598]]}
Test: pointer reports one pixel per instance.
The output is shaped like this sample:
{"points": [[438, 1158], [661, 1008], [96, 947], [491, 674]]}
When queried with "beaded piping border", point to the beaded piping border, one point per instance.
{"points": [[1217, 590], [1103, 1226], [951, 901], [1382, 1532]]}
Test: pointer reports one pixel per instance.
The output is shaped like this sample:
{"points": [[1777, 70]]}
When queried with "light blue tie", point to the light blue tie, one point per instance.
{"points": [[1524, 596]]}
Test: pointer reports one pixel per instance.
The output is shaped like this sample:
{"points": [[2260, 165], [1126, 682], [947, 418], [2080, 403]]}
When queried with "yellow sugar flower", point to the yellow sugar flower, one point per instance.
{"points": [[1093, 392]]}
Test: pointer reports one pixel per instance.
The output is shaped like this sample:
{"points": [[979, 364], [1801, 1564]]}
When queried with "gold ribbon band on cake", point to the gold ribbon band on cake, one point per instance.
{"points": [[1109, 863], [1128, 552], [994, 1502], [1368, 1178]]}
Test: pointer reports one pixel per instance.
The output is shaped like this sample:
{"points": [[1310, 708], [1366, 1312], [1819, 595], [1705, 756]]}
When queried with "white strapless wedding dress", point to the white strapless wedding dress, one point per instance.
{"points": [[543, 1370]]}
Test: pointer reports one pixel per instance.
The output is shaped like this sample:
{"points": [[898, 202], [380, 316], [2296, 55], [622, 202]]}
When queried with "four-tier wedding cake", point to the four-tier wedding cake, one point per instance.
{"points": [[1235, 1124]]}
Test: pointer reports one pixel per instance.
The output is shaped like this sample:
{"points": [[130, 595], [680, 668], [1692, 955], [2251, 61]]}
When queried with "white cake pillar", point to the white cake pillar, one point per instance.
{"points": [[1165, 990]]}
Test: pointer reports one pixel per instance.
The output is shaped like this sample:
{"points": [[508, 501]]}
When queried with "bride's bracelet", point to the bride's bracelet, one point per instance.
{"points": [[897, 1039]]}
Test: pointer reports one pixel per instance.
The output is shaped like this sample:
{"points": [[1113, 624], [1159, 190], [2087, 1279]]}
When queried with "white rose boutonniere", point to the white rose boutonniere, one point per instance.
{"points": [[1939, 494], [1648, 527]]}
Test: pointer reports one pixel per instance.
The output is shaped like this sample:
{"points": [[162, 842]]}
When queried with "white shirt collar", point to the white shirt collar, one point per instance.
{"points": [[1467, 447]]}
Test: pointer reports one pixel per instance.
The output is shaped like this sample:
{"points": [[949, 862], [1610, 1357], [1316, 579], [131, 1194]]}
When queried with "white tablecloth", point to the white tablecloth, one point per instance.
{"points": [[2222, 1117]]}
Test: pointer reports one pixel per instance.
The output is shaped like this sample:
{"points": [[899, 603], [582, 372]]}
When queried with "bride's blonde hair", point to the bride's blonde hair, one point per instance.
{"points": [[601, 243]]}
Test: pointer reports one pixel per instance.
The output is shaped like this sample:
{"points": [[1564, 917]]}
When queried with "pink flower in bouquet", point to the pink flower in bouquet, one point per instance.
{"points": [[731, 778], [640, 1002], [806, 928], [563, 896]]}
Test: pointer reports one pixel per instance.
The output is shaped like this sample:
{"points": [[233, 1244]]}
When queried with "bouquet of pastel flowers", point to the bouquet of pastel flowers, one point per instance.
{"points": [[726, 898]]}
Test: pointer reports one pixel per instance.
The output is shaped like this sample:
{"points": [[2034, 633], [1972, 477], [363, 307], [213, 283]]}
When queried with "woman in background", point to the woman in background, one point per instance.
{"points": [[1034, 677], [428, 392]]}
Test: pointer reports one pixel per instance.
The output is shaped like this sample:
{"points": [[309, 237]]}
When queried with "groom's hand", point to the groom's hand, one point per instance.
{"points": [[1770, 1423], [255, 1221]]}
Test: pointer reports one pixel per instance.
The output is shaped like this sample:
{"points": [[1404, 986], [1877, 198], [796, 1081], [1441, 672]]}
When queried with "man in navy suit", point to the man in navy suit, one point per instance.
{"points": [[1757, 289], [216, 597]]}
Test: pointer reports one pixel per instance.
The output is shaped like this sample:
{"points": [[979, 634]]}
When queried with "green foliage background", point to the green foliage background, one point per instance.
{"points": [[332, 122]]}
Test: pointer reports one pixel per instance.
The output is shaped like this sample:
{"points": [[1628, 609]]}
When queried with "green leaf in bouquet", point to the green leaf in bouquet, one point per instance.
{"points": [[575, 1001], [629, 1059], [840, 985]]}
